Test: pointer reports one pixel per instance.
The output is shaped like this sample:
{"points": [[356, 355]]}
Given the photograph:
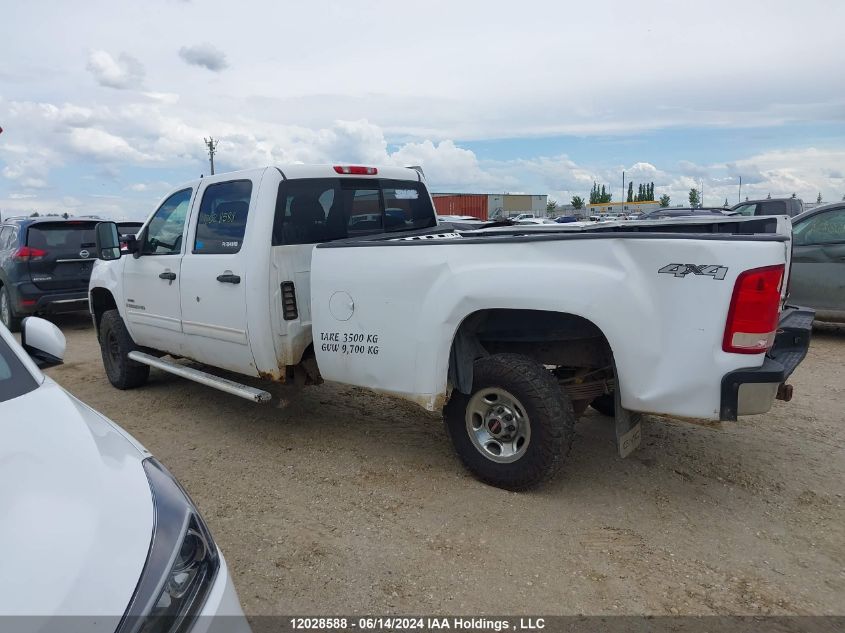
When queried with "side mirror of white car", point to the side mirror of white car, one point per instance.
{"points": [[43, 341]]}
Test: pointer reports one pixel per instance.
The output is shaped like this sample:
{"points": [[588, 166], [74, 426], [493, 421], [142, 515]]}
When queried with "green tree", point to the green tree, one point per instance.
{"points": [[651, 192], [694, 198], [551, 205], [577, 202], [819, 199], [664, 200], [631, 191]]}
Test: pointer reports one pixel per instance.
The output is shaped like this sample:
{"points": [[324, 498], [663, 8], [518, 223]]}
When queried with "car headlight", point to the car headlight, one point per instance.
{"points": [[181, 564]]}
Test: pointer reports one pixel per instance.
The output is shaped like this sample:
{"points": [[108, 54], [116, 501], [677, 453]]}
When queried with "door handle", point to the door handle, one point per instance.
{"points": [[229, 278], [167, 275]]}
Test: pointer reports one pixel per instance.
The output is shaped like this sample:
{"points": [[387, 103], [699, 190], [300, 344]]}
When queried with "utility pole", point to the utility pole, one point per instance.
{"points": [[624, 198], [739, 195], [211, 144]]}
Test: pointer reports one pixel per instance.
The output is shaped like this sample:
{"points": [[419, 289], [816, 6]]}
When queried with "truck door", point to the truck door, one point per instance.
{"points": [[151, 281], [214, 305]]}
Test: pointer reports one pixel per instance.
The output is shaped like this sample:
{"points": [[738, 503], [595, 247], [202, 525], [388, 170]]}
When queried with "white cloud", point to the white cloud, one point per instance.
{"points": [[121, 73], [205, 55], [101, 145]]}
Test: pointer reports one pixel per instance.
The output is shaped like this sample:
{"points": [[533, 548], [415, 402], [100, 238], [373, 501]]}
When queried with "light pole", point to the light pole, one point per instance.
{"points": [[211, 144]]}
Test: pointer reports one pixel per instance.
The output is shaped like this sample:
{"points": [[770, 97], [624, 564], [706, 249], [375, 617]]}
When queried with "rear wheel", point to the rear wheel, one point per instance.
{"points": [[115, 345], [516, 427], [7, 312]]}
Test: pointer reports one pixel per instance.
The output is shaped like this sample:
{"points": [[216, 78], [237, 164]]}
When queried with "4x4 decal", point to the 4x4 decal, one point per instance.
{"points": [[682, 270]]}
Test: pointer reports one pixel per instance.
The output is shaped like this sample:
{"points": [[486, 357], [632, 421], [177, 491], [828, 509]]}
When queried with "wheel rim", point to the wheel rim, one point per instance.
{"points": [[112, 348], [498, 425], [5, 311]]}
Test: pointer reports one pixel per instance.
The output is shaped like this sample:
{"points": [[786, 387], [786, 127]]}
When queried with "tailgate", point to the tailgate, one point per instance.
{"points": [[63, 254]]}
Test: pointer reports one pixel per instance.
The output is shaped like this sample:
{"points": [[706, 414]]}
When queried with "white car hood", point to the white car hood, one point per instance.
{"points": [[76, 511]]}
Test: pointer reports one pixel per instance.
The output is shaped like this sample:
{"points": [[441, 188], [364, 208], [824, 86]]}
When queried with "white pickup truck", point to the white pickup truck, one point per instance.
{"points": [[342, 273]]}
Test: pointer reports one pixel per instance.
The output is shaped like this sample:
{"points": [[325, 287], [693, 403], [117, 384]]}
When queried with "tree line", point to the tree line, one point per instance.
{"points": [[599, 194]]}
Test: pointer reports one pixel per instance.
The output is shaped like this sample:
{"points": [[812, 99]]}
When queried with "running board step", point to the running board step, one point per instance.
{"points": [[204, 378]]}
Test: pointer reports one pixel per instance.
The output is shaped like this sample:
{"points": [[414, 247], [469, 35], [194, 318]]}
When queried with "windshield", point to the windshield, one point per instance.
{"points": [[15, 380]]}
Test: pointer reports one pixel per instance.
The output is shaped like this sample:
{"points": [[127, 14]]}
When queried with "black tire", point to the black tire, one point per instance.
{"points": [[115, 345], [605, 404], [7, 311], [548, 410]]}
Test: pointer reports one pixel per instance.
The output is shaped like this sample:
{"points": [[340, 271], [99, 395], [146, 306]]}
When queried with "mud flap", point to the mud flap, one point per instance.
{"points": [[628, 428]]}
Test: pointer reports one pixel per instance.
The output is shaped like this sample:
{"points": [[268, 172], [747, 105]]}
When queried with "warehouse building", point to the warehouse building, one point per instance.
{"points": [[489, 205]]}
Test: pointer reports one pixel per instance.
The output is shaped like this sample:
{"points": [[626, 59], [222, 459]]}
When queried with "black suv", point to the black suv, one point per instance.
{"points": [[45, 266], [770, 206]]}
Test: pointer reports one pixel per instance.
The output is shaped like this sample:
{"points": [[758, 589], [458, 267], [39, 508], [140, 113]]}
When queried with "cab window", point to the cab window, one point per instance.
{"points": [[164, 232], [772, 207], [746, 209], [309, 211], [222, 218], [824, 228]]}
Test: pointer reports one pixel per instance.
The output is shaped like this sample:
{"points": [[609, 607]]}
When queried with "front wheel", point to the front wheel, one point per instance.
{"points": [[516, 427], [115, 345]]}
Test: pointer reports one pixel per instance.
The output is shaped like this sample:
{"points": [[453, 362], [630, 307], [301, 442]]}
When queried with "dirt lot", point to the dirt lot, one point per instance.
{"points": [[346, 502]]}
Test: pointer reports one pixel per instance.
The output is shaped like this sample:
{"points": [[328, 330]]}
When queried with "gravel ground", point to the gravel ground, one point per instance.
{"points": [[341, 501]]}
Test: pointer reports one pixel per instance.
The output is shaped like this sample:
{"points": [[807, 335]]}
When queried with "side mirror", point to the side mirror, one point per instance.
{"points": [[43, 341], [108, 241]]}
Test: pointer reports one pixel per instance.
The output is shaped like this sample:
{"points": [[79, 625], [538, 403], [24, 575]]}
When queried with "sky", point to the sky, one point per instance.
{"points": [[104, 105]]}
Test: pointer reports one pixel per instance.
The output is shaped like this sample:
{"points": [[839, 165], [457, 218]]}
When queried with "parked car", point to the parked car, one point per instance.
{"points": [[516, 217], [818, 261], [686, 212], [471, 313], [770, 206], [45, 265], [565, 219], [128, 227], [529, 221], [109, 538]]}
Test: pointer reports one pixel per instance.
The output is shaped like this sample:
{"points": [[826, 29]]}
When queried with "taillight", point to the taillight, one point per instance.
{"points": [[355, 169], [29, 254], [753, 315]]}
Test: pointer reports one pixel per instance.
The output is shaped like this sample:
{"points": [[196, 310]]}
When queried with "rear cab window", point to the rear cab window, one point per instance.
{"points": [[221, 222], [15, 379], [772, 207], [313, 210]]}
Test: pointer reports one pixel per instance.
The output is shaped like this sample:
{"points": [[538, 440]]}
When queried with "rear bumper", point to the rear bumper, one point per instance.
{"points": [[752, 390], [32, 300]]}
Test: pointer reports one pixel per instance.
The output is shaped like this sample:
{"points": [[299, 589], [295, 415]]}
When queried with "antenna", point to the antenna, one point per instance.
{"points": [[211, 144]]}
